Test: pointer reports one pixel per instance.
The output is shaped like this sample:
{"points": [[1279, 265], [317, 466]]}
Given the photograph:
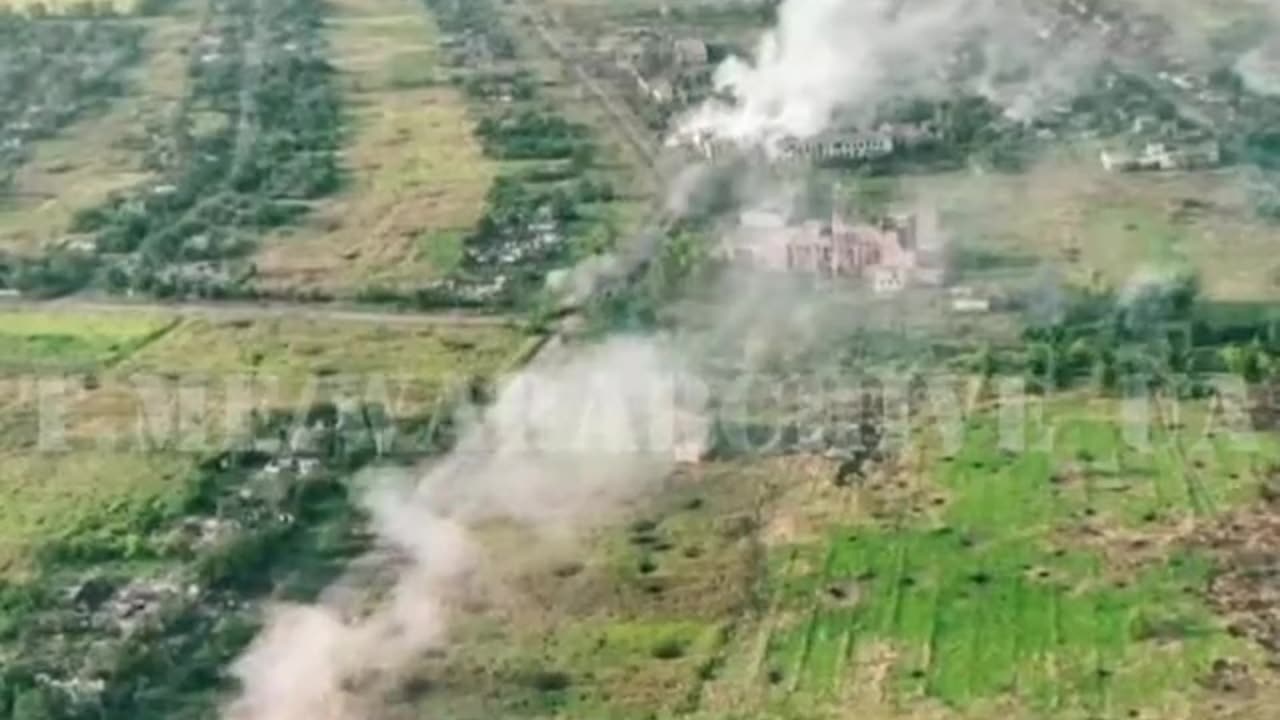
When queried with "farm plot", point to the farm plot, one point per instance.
{"points": [[129, 401], [49, 498], [293, 347], [625, 624], [39, 340], [252, 142], [1106, 227], [1056, 582], [198, 383], [56, 74], [418, 177], [1047, 579], [103, 152]]}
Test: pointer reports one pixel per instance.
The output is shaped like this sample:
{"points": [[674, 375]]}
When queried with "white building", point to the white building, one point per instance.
{"points": [[1163, 156]]}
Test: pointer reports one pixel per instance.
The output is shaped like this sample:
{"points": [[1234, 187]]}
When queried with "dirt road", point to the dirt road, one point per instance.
{"points": [[261, 311]]}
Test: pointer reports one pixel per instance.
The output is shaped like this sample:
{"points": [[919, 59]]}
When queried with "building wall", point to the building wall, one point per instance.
{"points": [[885, 252]]}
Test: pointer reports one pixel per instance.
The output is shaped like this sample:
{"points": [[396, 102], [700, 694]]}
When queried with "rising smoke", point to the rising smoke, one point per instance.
{"points": [[1259, 67], [567, 442], [582, 431], [830, 60]]}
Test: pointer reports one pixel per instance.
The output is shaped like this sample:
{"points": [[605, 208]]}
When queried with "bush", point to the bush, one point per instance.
{"points": [[669, 649], [549, 681]]}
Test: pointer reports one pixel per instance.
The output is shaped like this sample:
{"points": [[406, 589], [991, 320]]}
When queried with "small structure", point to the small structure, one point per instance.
{"points": [[1163, 156], [966, 301], [857, 146], [840, 145], [690, 52], [655, 62]]}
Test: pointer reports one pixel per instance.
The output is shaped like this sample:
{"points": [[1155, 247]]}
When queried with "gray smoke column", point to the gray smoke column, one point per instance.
{"points": [[828, 58], [568, 441]]}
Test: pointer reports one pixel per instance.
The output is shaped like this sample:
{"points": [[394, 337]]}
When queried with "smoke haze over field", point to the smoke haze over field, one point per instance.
{"points": [[565, 444]]}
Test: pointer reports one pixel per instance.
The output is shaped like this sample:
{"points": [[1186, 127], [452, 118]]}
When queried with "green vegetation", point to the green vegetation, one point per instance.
{"points": [[157, 615], [413, 165], [294, 348], [530, 135], [1007, 589], [478, 20], [255, 137], [52, 73], [540, 214], [1052, 582], [35, 339], [135, 566], [83, 505], [1065, 568], [444, 250]]}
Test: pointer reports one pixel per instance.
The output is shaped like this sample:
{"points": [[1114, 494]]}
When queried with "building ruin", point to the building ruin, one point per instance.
{"points": [[890, 253], [1163, 156]]}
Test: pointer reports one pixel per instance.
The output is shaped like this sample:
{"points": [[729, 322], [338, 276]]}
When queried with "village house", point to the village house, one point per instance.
{"points": [[655, 61], [888, 253]]}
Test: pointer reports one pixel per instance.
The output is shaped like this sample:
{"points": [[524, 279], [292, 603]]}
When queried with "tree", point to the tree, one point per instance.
{"points": [[1080, 355], [985, 362], [37, 703], [1248, 361], [1106, 376]]}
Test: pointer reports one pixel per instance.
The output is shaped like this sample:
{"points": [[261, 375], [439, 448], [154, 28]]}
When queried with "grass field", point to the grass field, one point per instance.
{"points": [[291, 347], [81, 166], [418, 177], [232, 366], [1056, 582], [1019, 584], [48, 340], [1117, 223], [45, 497], [102, 413]]}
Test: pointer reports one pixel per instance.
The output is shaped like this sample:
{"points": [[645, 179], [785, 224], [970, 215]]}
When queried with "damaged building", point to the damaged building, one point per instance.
{"points": [[851, 145], [660, 66], [1163, 156], [890, 253]]}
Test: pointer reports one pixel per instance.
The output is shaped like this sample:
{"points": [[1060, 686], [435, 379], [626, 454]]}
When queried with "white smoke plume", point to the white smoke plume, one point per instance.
{"points": [[1259, 68], [578, 434], [568, 441], [835, 58]]}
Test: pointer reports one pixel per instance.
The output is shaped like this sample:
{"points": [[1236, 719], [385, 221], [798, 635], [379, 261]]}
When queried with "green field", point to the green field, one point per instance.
{"points": [[1059, 582], [292, 348], [100, 371], [55, 497], [1102, 228], [417, 173], [101, 153], [41, 339]]}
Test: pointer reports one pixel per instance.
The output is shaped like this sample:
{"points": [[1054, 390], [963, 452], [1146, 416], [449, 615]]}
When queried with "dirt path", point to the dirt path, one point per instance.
{"points": [[547, 29], [262, 311], [250, 79]]}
